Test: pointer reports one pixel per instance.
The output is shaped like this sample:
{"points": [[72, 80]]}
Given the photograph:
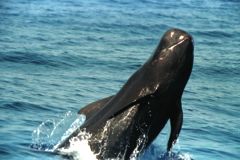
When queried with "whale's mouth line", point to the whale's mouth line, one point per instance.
{"points": [[179, 42]]}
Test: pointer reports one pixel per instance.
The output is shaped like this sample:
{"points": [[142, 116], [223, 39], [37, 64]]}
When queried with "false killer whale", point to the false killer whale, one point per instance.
{"points": [[132, 118]]}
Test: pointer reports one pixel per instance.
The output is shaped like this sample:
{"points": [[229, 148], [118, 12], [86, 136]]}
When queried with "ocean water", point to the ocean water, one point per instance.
{"points": [[56, 56]]}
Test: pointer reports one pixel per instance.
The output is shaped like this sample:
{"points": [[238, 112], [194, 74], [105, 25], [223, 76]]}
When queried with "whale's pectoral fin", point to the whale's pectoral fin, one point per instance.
{"points": [[93, 107], [176, 119]]}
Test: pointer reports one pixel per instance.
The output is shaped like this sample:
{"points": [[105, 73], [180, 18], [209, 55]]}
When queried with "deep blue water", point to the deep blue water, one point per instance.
{"points": [[59, 55]]}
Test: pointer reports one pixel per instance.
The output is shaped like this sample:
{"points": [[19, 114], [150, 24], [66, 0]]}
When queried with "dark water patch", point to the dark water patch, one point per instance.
{"points": [[34, 58], [22, 106], [41, 38], [217, 71], [213, 34], [90, 63], [199, 131], [131, 29], [218, 154], [20, 57], [221, 130], [4, 150]]}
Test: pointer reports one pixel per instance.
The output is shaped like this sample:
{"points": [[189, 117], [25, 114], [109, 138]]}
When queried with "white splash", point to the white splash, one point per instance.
{"points": [[49, 135], [185, 156], [175, 156], [79, 148], [75, 125], [140, 146]]}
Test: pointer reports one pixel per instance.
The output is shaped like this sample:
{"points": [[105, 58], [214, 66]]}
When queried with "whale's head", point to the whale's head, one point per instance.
{"points": [[173, 59]]}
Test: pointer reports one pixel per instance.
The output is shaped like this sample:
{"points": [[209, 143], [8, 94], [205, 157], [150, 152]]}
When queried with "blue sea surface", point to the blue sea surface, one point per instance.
{"points": [[56, 56]]}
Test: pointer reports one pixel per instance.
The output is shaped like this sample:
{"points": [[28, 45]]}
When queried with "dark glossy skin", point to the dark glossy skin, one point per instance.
{"points": [[142, 107]]}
